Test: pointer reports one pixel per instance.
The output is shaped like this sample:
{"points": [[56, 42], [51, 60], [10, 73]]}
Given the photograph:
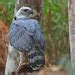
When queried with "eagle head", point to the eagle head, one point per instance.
{"points": [[24, 12]]}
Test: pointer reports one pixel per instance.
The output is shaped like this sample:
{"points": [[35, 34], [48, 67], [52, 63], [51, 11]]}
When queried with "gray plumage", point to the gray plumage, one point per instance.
{"points": [[25, 35]]}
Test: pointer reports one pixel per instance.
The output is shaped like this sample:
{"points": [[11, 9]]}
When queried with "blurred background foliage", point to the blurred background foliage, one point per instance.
{"points": [[54, 23], [55, 27], [7, 10]]}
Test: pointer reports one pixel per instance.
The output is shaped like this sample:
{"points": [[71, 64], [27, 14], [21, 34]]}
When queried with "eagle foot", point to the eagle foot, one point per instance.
{"points": [[23, 68]]}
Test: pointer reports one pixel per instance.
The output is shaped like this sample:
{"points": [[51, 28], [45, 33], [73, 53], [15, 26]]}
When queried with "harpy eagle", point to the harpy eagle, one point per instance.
{"points": [[25, 35]]}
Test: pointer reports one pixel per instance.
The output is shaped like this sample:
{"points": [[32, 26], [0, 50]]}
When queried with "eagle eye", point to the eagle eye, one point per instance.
{"points": [[25, 10]]}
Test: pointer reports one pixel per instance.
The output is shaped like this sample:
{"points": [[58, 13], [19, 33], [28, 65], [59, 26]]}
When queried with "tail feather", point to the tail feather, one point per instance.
{"points": [[36, 59]]}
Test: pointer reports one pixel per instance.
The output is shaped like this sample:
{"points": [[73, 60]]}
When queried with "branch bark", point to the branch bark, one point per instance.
{"points": [[71, 15]]}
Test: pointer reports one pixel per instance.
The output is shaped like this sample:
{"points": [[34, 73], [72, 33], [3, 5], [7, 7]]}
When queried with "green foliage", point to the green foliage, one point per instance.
{"points": [[7, 10], [55, 27]]}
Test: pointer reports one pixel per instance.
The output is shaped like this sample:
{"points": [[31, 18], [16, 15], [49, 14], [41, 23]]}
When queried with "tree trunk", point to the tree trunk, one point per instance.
{"points": [[71, 11]]}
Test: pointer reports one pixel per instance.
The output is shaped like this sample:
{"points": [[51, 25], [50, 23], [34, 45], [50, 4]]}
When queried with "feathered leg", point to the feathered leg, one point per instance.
{"points": [[36, 61], [23, 58]]}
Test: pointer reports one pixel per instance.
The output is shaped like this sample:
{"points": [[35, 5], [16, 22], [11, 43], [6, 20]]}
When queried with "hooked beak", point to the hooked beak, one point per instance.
{"points": [[31, 12]]}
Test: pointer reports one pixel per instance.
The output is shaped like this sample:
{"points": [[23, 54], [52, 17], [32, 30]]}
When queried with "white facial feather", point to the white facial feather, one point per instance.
{"points": [[18, 13]]}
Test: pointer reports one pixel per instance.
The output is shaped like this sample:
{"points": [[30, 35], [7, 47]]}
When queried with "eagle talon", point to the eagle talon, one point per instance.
{"points": [[24, 68]]}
